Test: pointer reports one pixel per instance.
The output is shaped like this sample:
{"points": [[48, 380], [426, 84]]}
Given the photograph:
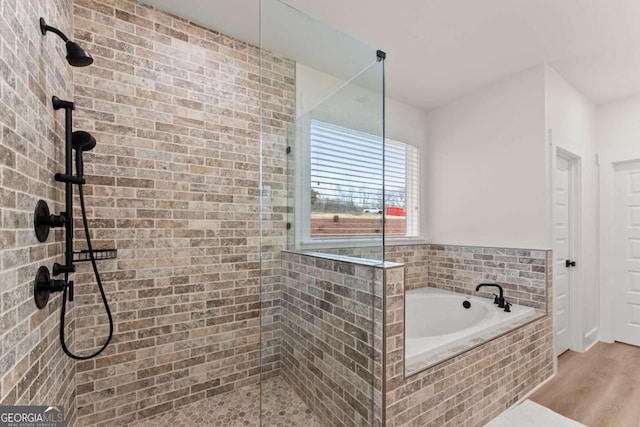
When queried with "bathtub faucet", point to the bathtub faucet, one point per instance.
{"points": [[498, 300]]}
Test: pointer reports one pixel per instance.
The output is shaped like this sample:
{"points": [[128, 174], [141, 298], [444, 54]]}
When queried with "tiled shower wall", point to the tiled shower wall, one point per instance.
{"points": [[173, 184], [33, 369], [327, 337]]}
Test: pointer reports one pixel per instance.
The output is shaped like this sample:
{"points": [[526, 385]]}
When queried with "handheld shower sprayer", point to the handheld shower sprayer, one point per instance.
{"points": [[81, 141], [96, 274]]}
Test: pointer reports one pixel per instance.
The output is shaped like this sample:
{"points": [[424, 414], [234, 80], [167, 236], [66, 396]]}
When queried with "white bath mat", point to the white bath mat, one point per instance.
{"points": [[530, 414]]}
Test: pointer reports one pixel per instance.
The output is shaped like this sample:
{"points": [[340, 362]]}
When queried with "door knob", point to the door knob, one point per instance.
{"points": [[569, 263]]}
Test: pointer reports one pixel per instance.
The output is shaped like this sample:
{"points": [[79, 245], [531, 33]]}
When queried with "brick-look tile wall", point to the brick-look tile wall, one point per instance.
{"points": [[33, 369], [394, 280], [416, 263], [368, 252], [414, 257], [327, 337], [472, 388], [521, 272], [173, 184], [469, 389], [461, 268], [278, 112]]}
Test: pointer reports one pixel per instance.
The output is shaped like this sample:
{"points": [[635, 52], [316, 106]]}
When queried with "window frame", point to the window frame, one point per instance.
{"points": [[302, 202]]}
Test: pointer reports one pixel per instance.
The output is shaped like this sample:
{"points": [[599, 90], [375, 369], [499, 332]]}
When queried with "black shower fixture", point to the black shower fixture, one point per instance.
{"points": [[81, 141], [76, 56], [44, 284]]}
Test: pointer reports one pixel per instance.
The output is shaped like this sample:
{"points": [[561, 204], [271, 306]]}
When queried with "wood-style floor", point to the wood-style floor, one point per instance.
{"points": [[599, 388]]}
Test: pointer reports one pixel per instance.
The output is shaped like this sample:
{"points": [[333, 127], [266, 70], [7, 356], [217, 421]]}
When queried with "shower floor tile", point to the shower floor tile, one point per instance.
{"points": [[281, 407]]}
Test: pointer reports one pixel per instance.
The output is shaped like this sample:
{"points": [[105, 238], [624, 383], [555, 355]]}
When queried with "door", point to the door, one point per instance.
{"points": [[626, 303], [562, 247]]}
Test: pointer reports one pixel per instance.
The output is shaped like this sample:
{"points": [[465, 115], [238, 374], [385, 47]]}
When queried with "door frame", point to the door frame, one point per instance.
{"points": [[575, 244], [608, 164]]}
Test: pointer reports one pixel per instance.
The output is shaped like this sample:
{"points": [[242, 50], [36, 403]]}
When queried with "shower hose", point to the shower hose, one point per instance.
{"points": [[98, 280]]}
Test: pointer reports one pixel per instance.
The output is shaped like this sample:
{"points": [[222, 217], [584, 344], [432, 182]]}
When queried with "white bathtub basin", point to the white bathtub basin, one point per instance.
{"points": [[436, 322]]}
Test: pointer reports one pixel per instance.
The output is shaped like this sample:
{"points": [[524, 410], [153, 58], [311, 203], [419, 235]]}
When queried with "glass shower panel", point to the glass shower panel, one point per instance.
{"points": [[321, 180], [338, 186]]}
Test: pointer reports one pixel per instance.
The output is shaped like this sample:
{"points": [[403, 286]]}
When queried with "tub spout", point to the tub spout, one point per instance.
{"points": [[500, 299]]}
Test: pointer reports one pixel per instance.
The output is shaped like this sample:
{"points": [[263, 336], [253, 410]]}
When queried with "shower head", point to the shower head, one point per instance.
{"points": [[76, 56], [83, 141]]}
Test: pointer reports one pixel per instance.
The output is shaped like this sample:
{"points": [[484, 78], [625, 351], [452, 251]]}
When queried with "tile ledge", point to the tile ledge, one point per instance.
{"points": [[353, 260]]}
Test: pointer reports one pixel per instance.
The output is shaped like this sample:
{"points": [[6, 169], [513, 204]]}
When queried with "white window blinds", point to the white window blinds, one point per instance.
{"points": [[346, 183]]}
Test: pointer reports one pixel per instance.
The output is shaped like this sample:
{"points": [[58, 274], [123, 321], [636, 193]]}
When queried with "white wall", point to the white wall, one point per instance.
{"points": [[618, 129], [403, 122], [486, 171], [572, 120], [618, 140]]}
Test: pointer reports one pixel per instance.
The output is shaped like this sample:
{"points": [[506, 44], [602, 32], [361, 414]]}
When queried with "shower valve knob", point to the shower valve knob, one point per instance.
{"points": [[43, 220], [44, 285]]}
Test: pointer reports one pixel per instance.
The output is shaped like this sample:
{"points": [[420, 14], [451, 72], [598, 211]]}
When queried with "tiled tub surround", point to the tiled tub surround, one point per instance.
{"points": [[173, 184], [327, 336], [414, 257], [521, 272], [33, 369], [461, 268], [438, 326], [469, 389]]}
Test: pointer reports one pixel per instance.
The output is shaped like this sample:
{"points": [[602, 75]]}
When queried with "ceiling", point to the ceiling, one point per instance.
{"points": [[440, 50]]}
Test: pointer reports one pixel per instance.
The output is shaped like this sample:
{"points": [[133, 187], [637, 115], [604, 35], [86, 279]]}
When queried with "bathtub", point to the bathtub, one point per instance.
{"points": [[437, 325]]}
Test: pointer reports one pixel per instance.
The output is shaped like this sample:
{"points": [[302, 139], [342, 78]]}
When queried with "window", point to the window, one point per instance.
{"points": [[346, 184]]}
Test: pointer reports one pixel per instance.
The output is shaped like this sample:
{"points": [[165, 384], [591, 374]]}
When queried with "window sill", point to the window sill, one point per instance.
{"points": [[358, 243]]}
